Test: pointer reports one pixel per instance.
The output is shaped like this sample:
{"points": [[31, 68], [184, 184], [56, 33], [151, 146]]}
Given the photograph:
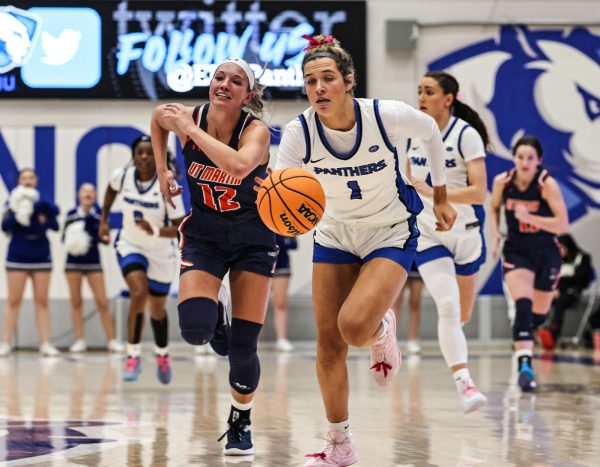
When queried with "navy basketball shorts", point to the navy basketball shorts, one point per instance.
{"points": [[543, 260], [217, 258]]}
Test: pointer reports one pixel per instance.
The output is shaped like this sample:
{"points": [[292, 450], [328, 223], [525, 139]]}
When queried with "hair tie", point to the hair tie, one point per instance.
{"points": [[314, 42]]}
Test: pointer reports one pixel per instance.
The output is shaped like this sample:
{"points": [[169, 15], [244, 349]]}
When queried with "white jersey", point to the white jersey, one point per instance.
{"points": [[143, 200], [359, 169], [462, 144]]}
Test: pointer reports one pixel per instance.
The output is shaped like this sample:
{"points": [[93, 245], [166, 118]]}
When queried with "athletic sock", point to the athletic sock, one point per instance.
{"points": [[239, 411], [385, 325], [134, 350], [462, 378], [339, 431]]}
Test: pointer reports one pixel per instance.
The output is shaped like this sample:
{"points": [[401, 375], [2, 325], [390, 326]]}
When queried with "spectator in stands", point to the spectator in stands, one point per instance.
{"points": [[576, 273]]}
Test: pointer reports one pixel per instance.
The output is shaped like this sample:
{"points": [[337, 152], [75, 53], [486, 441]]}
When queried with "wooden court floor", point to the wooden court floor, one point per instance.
{"points": [[67, 411]]}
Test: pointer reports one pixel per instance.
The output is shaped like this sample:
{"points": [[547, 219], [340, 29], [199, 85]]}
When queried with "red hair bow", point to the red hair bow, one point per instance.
{"points": [[314, 42]]}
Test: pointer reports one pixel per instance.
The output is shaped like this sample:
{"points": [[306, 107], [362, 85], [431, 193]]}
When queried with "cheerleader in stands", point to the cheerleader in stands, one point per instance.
{"points": [[26, 220], [83, 261]]}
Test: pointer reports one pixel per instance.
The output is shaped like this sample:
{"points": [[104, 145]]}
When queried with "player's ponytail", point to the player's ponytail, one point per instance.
{"points": [[257, 104], [450, 85]]}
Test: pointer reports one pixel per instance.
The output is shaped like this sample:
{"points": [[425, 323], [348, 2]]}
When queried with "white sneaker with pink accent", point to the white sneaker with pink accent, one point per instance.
{"points": [[385, 354], [471, 398], [334, 454]]}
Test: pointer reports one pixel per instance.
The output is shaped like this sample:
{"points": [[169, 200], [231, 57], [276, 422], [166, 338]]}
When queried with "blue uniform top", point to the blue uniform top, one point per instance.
{"points": [[520, 233], [92, 224], [29, 244], [223, 206]]}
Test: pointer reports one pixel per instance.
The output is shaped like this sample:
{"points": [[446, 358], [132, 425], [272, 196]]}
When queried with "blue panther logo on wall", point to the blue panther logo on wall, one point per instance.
{"points": [[544, 82], [18, 33]]}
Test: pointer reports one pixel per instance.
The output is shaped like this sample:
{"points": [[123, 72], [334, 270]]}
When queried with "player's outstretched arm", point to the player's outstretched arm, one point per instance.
{"points": [[160, 126]]}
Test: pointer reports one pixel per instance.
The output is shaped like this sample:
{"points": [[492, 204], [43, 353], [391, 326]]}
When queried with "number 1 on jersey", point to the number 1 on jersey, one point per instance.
{"points": [[353, 185]]}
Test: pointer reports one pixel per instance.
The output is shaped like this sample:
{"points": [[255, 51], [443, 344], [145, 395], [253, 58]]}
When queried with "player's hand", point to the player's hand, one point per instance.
{"points": [[445, 216], [259, 181], [104, 233], [422, 187], [145, 226], [522, 214], [169, 186], [176, 114]]}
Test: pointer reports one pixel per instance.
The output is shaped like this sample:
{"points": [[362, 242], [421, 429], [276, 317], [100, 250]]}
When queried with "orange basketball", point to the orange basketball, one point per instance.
{"points": [[291, 201]]}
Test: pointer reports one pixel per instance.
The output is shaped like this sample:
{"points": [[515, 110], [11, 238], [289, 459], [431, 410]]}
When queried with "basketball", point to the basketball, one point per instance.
{"points": [[291, 201]]}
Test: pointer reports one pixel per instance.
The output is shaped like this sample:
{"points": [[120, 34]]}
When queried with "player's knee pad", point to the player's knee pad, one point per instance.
{"points": [[451, 336], [448, 310], [523, 326], [198, 319], [244, 367]]}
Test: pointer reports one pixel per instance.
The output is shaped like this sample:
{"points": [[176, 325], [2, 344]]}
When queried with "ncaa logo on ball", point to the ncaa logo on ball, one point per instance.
{"points": [[308, 214]]}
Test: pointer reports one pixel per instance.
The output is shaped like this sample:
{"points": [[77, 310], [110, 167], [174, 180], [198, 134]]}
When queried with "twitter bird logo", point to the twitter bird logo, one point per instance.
{"points": [[60, 50], [69, 52]]}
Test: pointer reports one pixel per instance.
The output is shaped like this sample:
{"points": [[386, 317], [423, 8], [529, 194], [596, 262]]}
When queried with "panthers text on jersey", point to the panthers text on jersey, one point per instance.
{"points": [[462, 144], [141, 200], [363, 183]]}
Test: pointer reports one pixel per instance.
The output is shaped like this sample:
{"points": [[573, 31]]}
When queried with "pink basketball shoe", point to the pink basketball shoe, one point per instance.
{"points": [[385, 354], [334, 454]]}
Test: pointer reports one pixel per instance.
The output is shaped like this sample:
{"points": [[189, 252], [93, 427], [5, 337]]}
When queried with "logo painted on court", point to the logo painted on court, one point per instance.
{"points": [[36, 441]]}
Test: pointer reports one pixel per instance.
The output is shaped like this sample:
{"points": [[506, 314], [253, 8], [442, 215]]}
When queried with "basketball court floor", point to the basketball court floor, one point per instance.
{"points": [[68, 411]]}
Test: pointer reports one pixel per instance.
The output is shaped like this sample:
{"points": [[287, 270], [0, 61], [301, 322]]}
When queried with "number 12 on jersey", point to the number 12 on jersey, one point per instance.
{"points": [[353, 185], [224, 201]]}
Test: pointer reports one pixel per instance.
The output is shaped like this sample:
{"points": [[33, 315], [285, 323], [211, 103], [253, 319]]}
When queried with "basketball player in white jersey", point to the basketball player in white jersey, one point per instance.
{"points": [[448, 261], [367, 238], [146, 252]]}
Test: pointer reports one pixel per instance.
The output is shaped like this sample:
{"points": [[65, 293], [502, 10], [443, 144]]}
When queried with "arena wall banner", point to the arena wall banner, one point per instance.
{"points": [[543, 81], [164, 49]]}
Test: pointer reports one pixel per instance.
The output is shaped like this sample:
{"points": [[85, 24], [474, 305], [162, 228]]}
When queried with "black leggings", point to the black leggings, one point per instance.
{"points": [[567, 299]]}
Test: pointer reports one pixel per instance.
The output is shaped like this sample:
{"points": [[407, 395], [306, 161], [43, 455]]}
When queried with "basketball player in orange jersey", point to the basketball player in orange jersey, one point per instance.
{"points": [[225, 145], [535, 214], [366, 241]]}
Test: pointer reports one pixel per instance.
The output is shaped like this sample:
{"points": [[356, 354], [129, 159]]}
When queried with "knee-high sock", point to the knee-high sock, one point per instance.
{"points": [[440, 279]]}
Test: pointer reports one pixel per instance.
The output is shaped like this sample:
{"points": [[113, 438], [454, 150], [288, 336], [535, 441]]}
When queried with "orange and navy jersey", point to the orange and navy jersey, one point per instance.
{"points": [[223, 206], [532, 199]]}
